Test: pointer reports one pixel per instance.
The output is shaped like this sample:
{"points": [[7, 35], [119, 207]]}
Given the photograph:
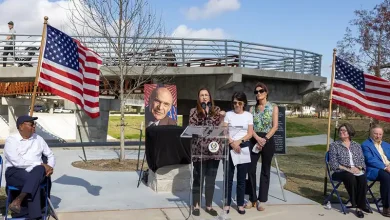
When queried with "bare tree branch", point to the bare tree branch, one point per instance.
{"points": [[129, 37]]}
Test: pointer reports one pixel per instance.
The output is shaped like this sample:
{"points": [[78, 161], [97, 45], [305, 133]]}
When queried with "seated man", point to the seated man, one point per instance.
{"points": [[25, 169], [377, 153]]}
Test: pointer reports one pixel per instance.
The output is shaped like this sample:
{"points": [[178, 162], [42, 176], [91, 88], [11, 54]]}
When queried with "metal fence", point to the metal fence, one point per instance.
{"points": [[174, 52]]}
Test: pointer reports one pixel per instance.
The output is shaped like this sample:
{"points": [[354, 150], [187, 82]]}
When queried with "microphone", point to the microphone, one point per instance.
{"points": [[203, 104], [209, 105]]}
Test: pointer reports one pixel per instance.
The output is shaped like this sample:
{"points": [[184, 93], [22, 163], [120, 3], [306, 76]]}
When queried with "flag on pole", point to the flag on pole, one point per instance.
{"points": [[70, 70], [361, 92]]}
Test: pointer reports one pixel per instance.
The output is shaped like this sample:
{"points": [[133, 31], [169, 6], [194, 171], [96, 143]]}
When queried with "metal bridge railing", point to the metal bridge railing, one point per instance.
{"points": [[175, 52]]}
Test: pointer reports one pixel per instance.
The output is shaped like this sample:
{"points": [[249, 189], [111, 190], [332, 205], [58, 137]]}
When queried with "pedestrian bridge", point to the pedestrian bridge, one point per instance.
{"points": [[221, 65]]}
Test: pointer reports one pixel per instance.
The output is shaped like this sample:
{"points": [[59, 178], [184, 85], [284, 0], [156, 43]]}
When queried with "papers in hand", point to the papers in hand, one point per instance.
{"points": [[255, 149], [240, 158]]}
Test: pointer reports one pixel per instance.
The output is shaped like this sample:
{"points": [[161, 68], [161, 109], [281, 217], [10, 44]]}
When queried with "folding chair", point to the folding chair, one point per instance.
{"points": [[376, 201], [335, 184], [44, 186]]}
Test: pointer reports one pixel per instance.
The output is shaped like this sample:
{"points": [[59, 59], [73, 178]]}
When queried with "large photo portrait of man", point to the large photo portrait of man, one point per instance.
{"points": [[160, 105]]}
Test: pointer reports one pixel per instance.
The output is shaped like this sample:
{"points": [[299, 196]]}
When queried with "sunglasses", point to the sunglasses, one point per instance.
{"points": [[238, 103], [259, 91]]}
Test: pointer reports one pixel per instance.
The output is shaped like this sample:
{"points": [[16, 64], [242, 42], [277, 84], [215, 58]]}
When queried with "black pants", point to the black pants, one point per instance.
{"points": [[384, 179], [5, 54], [205, 171], [356, 187], [29, 183], [266, 154], [242, 170]]}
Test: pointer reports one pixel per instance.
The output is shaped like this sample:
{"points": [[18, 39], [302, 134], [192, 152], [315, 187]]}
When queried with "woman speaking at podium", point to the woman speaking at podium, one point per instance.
{"points": [[240, 124], [205, 162]]}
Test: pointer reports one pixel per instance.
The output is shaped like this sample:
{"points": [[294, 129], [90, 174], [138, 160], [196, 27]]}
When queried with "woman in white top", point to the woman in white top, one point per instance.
{"points": [[238, 141]]}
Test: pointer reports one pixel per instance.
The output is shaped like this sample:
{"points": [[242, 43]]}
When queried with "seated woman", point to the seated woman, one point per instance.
{"points": [[347, 161]]}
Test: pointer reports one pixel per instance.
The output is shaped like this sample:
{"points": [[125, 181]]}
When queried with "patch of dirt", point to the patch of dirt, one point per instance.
{"points": [[110, 165]]}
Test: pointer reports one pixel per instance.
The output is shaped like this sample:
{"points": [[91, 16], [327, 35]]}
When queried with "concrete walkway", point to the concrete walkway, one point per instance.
{"points": [[77, 190], [275, 212], [307, 140], [74, 189], [83, 194]]}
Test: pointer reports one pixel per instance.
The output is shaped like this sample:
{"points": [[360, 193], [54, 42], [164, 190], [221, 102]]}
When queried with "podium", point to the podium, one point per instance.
{"points": [[209, 151]]}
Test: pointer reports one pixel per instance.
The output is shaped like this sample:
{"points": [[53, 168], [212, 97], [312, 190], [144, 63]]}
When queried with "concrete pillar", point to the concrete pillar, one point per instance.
{"points": [[51, 106], [93, 130], [16, 108], [4, 111], [138, 109]]}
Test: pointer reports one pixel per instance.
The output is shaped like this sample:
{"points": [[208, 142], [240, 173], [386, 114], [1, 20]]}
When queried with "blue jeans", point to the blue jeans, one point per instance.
{"points": [[242, 170]]}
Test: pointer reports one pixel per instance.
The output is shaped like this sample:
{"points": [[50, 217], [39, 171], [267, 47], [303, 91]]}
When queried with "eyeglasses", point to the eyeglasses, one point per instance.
{"points": [[259, 91], [238, 103]]}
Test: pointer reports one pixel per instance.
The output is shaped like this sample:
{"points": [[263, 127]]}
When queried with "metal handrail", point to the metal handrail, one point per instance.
{"points": [[177, 52]]}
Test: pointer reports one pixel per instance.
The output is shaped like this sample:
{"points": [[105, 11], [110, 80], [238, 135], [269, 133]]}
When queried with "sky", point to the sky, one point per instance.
{"points": [[310, 25]]}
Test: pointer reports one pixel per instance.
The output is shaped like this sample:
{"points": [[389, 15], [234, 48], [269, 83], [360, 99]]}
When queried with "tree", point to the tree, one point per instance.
{"points": [[318, 99], [366, 43], [129, 37]]}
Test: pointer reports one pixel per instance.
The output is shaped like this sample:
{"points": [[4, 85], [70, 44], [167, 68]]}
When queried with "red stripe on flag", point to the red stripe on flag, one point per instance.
{"points": [[361, 111], [366, 105], [372, 99]]}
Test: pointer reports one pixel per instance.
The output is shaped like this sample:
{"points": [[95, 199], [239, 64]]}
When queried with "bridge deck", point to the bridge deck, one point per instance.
{"points": [[163, 56]]}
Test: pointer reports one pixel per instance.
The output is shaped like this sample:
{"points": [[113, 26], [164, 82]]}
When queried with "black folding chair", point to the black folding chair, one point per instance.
{"points": [[376, 200], [335, 184]]}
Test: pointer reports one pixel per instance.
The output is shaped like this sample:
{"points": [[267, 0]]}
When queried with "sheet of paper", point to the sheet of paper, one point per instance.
{"points": [[359, 174], [240, 158]]}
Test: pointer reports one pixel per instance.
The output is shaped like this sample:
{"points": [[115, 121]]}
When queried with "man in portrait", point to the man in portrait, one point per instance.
{"points": [[160, 103]]}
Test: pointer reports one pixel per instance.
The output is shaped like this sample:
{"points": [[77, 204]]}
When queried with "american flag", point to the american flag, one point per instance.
{"points": [[70, 70], [361, 92]]}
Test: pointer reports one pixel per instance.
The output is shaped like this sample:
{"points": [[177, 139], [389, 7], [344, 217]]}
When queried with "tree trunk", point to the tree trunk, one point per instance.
{"points": [[122, 80], [122, 129]]}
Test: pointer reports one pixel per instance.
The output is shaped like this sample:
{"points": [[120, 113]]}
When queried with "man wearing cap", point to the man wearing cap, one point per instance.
{"points": [[10, 42], [25, 169]]}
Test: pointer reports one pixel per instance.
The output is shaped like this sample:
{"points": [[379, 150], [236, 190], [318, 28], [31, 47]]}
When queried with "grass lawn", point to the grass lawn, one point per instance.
{"points": [[133, 124], [306, 177], [297, 127]]}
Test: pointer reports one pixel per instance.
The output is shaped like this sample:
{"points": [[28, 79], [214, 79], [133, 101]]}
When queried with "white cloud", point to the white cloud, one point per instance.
{"points": [[186, 32], [27, 15], [212, 8]]}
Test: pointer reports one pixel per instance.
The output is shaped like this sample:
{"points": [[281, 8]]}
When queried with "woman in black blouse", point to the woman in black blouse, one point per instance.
{"points": [[346, 159]]}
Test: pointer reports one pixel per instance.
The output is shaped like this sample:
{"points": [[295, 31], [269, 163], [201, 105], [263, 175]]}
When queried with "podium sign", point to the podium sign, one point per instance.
{"points": [[280, 134]]}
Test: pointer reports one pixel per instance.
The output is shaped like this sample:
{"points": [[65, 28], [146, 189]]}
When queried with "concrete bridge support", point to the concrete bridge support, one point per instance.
{"points": [[16, 107], [93, 130]]}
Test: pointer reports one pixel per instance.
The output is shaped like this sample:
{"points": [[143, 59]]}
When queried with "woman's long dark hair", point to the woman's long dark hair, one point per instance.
{"points": [[199, 108], [263, 86]]}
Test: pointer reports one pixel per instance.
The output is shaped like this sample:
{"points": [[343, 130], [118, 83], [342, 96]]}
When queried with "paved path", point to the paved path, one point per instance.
{"points": [[307, 140], [83, 190], [275, 212], [82, 194]]}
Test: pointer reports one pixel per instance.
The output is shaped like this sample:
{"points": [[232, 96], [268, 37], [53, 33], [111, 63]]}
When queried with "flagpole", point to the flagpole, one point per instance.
{"points": [[39, 66], [330, 114]]}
